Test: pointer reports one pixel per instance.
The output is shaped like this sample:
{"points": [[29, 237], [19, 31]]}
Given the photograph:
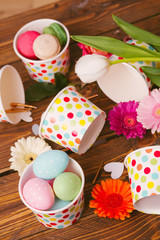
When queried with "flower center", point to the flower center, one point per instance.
{"points": [[114, 200], [156, 111], [129, 121], [30, 157]]}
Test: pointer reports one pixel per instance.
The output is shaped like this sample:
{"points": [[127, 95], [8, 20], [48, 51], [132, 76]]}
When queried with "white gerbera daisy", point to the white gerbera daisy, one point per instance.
{"points": [[25, 151]]}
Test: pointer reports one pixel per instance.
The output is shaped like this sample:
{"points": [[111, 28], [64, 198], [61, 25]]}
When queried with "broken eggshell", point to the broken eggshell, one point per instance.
{"points": [[11, 90]]}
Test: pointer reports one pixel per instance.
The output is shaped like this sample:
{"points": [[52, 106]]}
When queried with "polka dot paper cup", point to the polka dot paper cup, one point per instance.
{"points": [[63, 217], [72, 121], [126, 81], [144, 174], [44, 70], [139, 64], [11, 91]]}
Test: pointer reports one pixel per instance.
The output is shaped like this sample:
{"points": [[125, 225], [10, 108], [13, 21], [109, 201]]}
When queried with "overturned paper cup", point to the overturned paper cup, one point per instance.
{"points": [[144, 174], [11, 91], [72, 121], [62, 217], [126, 81], [44, 70]]}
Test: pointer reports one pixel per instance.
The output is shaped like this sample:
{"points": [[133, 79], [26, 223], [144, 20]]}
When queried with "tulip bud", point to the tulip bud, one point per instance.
{"points": [[90, 68]]}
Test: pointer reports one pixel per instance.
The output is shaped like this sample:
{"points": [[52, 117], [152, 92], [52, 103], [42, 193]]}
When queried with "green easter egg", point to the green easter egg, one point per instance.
{"points": [[67, 186]]}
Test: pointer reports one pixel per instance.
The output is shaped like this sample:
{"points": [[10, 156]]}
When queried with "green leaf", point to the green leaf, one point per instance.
{"points": [[60, 81], [39, 91], [153, 74], [138, 33], [114, 46]]}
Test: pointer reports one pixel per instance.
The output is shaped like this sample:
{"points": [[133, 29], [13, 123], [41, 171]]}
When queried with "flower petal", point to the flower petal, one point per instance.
{"points": [[107, 209], [22, 148]]}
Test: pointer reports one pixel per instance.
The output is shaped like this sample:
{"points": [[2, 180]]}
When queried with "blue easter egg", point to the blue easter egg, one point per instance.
{"points": [[58, 203], [50, 164]]}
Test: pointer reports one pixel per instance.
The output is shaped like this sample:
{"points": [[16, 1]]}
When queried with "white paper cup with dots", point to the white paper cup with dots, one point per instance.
{"points": [[44, 70], [61, 217], [144, 174], [72, 121], [11, 91], [126, 81]]}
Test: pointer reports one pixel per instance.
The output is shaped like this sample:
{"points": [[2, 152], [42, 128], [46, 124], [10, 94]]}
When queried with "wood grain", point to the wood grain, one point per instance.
{"points": [[88, 17], [12, 7]]}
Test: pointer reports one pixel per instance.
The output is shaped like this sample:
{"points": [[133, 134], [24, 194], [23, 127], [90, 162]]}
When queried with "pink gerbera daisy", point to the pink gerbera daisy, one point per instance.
{"points": [[149, 111], [123, 120]]}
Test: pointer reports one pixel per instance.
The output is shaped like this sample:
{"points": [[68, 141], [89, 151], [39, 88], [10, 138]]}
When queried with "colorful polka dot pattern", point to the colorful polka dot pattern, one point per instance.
{"points": [[139, 64], [3, 116], [63, 218], [144, 172], [68, 119], [44, 72]]}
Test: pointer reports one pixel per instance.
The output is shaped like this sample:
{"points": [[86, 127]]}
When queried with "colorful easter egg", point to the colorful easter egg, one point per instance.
{"points": [[50, 164], [38, 194], [67, 186]]}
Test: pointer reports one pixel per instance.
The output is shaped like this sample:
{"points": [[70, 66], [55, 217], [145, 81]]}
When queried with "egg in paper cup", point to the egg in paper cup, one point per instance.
{"points": [[72, 121], [11, 91], [126, 81], [144, 174], [44, 70], [65, 216]]}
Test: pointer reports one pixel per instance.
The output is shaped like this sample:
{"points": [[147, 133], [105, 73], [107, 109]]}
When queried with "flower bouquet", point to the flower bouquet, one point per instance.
{"points": [[133, 116]]}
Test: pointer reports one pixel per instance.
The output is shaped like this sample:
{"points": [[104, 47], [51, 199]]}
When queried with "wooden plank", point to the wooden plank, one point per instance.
{"points": [[88, 14], [114, 231], [12, 7], [13, 133], [8, 56], [21, 223], [81, 17], [86, 25], [13, 208]]}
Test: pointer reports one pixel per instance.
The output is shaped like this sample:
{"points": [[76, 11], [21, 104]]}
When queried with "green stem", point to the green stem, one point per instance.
{"points": [[151, 59]]}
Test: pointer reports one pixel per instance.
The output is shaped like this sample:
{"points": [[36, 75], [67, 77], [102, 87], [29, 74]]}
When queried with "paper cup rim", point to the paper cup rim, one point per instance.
{"points": [[144, 203], [135, 70], [82, 176], [102, 115], [4, 112], [45, 60], [139, 206], [22, 89], [137, 150], [46, 111], [128, 65]]}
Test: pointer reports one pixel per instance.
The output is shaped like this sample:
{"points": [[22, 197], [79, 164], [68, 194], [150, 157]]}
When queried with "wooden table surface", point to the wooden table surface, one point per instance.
{"points": [[87, 17]]}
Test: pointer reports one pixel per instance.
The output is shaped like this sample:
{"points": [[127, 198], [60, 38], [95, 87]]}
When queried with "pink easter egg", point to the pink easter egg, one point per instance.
{"points": [[38, 194]]}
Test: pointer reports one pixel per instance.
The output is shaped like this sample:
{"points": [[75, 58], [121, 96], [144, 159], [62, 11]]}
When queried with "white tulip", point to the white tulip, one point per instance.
{"points": [[90, 68]]}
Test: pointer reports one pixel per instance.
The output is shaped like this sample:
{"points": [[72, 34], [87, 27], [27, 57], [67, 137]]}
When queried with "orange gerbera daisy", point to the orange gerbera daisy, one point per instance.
{"points": [[113, 199]]}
